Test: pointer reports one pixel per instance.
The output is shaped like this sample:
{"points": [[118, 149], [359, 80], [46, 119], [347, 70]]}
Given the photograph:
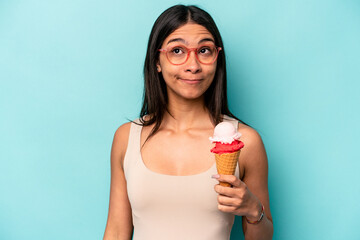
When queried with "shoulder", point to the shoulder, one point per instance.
{"points": [[123, 131], [120, 142], [253, 152], [250, 135]]}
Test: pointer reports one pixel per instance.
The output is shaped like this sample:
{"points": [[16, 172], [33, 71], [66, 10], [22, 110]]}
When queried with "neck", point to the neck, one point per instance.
{"points": [[186, 114]]}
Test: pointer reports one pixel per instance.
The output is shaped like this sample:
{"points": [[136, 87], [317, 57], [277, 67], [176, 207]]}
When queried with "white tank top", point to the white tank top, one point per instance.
{"points": [[168, 207]]}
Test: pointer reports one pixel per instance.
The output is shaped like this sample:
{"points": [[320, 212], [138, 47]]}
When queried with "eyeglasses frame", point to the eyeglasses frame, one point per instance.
{"points": [[218, 49]]}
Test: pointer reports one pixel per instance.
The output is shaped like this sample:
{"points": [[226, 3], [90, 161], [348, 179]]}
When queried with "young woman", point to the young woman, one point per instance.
{"points": [[163, 176]]}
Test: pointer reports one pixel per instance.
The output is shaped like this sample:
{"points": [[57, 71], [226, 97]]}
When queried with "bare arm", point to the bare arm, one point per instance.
{"points": [[119, 223], [256, 179], [246, 197]]}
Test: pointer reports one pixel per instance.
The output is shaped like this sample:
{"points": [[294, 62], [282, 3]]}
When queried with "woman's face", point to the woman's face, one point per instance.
{"points": [[191, 79]]}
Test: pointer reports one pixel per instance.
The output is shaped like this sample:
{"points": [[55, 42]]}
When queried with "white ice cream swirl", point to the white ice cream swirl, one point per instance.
{"points": [[225, 132]]}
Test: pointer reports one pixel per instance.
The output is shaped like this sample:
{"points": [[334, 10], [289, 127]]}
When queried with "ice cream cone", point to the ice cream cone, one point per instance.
{"points": [[226, 164]]}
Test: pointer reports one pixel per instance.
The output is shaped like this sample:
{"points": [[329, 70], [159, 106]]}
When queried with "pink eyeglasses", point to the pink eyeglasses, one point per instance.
{"points": [[179, 54]]}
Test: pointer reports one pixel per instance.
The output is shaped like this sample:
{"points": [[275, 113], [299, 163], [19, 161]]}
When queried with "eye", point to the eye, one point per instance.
{"points": [[203, 50], [206, 50], [177, 50]]}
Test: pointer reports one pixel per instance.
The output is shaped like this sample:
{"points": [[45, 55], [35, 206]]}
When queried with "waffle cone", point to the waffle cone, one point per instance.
{"points": [[226, 164]]}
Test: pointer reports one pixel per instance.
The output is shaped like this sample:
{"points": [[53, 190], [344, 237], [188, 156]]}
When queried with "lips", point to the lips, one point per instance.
{"points": [[191, 81]]}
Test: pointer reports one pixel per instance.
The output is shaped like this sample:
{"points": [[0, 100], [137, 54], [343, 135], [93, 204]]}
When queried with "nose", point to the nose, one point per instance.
{"points": [[192, 64]]}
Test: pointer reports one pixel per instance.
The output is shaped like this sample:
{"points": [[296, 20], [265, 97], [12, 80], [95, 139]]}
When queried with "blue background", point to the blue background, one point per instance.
{"points": [[71, 73]]}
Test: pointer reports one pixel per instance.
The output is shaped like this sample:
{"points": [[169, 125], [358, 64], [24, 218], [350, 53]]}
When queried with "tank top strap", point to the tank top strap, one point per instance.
{"points": [[133, 149], [231, 120]]}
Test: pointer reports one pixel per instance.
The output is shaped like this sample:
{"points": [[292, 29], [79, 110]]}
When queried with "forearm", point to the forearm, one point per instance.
{"points": [[114, 236], [261, 231], [114, 233]]}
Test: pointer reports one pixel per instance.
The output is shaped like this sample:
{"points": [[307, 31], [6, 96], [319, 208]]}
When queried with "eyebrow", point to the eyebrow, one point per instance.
{"points": [[207, 40], [183, 41]]}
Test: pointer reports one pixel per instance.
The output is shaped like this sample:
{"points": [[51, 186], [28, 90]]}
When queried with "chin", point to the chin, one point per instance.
{"points": [[192, 95]]}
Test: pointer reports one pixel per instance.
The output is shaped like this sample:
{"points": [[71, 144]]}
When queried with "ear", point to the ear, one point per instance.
{"points": [[158, 67]]}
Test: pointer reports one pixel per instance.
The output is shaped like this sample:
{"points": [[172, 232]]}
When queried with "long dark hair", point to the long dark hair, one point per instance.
{"points": [[155, 94]]}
